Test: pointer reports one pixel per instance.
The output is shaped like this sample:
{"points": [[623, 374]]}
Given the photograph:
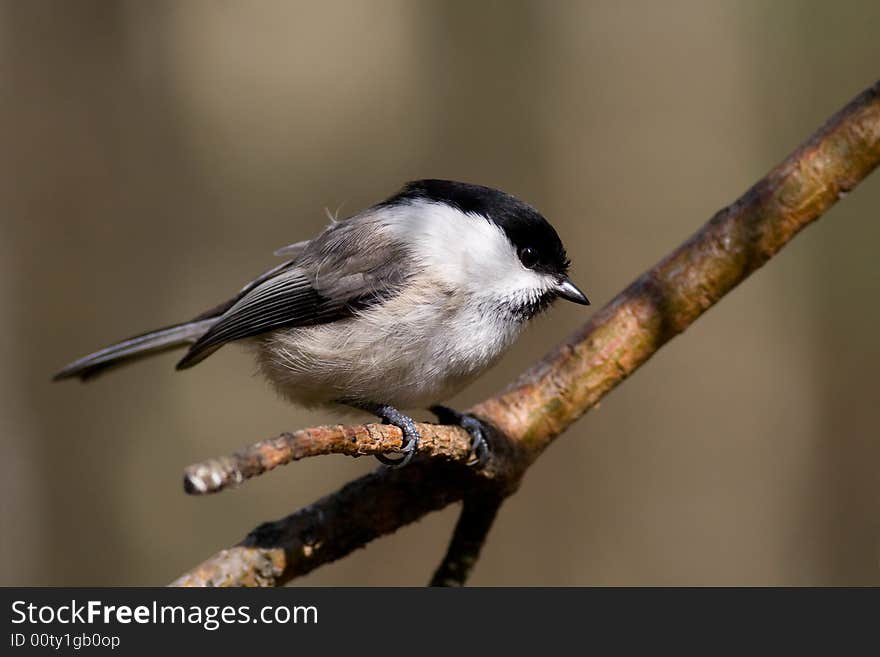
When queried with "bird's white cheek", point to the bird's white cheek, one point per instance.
{"points": [[513, 283]]}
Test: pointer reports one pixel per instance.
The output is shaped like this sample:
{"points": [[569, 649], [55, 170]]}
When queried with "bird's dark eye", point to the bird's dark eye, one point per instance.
{"points": [[528, 256]]}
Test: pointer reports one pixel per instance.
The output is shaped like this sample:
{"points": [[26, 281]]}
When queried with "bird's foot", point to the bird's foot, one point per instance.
{"points": [[476, 429], [390, 415]]}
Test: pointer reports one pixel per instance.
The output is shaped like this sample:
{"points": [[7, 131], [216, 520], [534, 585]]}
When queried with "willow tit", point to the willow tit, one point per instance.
{"points": [[398, 306]]}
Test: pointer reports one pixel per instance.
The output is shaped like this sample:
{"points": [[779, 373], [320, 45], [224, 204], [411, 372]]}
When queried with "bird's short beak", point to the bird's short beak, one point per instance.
{"points": [[568, 290]]}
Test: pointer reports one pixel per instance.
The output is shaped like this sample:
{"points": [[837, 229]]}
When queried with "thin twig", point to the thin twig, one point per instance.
{"points": [[477, 515], [214, 475], [570, 380]]}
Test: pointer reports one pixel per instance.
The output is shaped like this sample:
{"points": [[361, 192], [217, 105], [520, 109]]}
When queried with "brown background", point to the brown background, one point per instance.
{"points": [[155, 154]]}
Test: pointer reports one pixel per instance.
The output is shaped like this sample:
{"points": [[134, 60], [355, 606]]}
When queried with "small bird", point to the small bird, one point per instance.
{"points": [[397, 307]]}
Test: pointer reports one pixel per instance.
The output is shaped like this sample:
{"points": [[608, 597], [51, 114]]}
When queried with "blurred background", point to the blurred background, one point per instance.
{"points": [[155, 154]]}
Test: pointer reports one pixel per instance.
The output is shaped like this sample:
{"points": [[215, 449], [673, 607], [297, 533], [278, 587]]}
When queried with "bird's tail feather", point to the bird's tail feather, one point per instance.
{"points": [[133, 349]]}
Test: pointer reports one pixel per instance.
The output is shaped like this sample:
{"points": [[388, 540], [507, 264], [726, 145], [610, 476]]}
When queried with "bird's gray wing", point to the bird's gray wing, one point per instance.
{"points": [[349, 267], [221, 308]]}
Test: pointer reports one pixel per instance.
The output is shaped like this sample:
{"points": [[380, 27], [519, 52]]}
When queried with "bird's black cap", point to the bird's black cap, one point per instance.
{"points": [[524, 226]]}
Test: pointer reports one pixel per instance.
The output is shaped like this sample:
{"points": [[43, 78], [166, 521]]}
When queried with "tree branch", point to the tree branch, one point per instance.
{"points": [[571, 379], [214, 475], [477, 515]]}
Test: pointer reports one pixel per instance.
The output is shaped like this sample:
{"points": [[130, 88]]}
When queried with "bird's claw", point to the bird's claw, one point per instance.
{"points": [[407, 426], [474, 427]]}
